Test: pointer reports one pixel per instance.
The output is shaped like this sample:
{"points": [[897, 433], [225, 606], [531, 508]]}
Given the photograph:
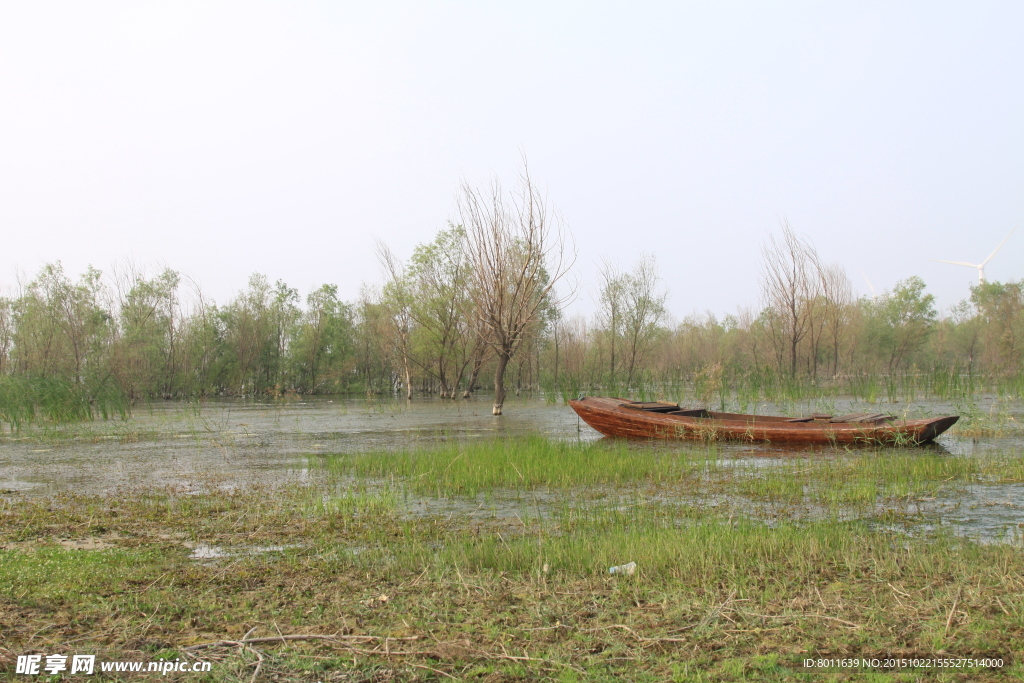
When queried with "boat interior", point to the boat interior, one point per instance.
{"points": [[666, 408]]}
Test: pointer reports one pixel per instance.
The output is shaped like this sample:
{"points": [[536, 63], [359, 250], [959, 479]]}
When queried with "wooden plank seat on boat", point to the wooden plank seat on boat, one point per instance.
{"points": [[651, 406], [873, 418], [870, 418], [695, 412]]}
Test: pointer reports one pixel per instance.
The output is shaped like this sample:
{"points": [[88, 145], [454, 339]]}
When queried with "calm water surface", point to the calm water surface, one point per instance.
{"points": [[230, 443], [172, 443]]}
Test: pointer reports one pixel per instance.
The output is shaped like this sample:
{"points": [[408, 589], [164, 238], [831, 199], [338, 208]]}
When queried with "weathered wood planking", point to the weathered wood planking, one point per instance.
{"points": [[655, 420]]}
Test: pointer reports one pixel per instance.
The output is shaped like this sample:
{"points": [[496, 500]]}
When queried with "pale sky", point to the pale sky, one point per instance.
{"points": [[226, 138]]}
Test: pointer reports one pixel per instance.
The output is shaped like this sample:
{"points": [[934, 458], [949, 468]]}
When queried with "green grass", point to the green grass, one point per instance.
{"points": [[836, 480], [468, 467], [712, 600], [488, 561]]}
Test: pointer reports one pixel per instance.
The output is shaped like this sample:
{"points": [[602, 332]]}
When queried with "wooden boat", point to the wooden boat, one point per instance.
{"points": [[660, 420]]}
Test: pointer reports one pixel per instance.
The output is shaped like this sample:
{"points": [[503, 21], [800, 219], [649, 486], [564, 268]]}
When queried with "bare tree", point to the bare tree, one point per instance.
{"points": [[517, 251], [790, 284]]}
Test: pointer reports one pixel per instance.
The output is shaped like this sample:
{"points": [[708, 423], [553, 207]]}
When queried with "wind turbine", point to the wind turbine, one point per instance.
{"points": [[979, 266], [870, 286]]}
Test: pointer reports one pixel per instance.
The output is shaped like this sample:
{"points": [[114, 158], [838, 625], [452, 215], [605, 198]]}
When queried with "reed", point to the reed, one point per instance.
{"points": [[744, 387], [25, 400], [999, 420]]}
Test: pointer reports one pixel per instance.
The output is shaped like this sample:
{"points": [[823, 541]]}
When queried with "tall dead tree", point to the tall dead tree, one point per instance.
{"points": [[790, 284], [517, 251]]}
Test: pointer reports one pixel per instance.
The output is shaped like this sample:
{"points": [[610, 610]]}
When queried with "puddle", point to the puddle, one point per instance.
{"points": [[207, 552], [204, 551]]}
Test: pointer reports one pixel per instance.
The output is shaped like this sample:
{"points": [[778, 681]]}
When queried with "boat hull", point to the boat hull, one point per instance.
{"points": [[609, 417]]}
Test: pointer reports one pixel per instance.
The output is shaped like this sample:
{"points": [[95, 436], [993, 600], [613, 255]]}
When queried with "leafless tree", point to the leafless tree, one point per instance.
{"points": [[517, 250], [790, 285]]}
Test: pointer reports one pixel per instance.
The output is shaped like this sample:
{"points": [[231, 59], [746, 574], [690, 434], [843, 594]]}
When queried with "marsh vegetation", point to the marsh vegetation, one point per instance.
{"points": [[474, 555], [269, 522], [480, 307]]}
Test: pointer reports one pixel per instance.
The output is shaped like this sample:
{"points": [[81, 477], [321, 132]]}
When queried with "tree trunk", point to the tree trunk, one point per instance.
{"points": [[614, 332], [556, 357], [499, 381], [478, 362], [408, 377], [792, 356]]}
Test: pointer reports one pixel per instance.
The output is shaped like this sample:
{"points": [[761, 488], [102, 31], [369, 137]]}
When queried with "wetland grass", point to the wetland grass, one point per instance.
{"points": [[997, 421], [467, 467], [720, 594], [27, 400], [744, 390]]}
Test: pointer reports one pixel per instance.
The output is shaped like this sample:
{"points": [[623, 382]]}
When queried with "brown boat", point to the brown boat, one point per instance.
{"points": [[660, 420]]}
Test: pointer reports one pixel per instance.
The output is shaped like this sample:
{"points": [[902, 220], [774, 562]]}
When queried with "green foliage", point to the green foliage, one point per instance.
{"points": [[1001, 311], [324, 343], [446, 337], [140, 337], [906, 317], [69, 351]]}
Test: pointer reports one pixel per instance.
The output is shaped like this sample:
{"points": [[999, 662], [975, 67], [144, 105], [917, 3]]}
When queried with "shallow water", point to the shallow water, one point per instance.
{"points": [[241, 442], [232, 443]]}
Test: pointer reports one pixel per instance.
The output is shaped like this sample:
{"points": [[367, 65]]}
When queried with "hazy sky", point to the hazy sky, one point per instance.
{"points": [[226, 138]]}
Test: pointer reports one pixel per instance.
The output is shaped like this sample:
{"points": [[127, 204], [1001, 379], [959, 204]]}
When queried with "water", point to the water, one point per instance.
{"points": [[231, 443], [235, 443]]}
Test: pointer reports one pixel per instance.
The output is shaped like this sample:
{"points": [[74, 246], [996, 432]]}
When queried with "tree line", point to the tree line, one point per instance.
{"points": [[808, 332], [480, 307]]}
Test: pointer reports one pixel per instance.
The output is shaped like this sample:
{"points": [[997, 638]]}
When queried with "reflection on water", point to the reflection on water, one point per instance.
{"points": [[240, 442], [231, 443]]}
